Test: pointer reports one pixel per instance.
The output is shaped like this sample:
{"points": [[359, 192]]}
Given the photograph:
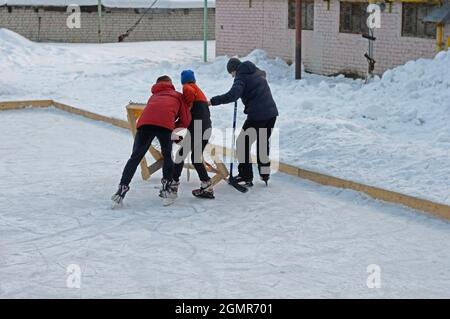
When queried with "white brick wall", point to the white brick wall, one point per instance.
{"points": [[240, 29], [161, 25]]}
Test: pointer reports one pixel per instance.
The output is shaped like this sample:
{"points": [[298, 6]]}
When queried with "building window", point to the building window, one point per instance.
{"points": [[412, 25], [353, 17], [307, 14]]}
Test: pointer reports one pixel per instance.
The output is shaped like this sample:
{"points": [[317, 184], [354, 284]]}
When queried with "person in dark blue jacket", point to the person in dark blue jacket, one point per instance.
{"points": [[250, 85]]}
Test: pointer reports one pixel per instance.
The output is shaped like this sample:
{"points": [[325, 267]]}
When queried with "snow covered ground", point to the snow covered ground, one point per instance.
{"points": [[58, 172], [393, 133]]}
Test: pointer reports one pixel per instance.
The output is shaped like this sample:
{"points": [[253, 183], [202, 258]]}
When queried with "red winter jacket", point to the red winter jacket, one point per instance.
{"points": [[165, 108]]}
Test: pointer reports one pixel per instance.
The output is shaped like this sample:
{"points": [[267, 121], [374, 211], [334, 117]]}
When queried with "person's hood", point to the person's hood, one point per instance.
{"points": [[247, 67], [162, 86]]}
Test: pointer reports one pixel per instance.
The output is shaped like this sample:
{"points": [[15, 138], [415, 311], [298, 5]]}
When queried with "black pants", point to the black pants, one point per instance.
{"points": [[199, 138], [259, 132], [142, 142]]}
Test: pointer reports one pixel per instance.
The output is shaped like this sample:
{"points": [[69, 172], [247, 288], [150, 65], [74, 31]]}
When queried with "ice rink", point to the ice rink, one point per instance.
{"points": [[293, 239]]}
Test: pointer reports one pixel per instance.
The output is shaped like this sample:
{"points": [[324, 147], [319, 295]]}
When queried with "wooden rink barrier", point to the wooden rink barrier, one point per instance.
{"points": [[430, 207], [14, 105]]}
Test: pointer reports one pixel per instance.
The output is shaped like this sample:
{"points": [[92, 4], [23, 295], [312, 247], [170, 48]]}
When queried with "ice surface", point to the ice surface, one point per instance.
{"points": [[294, 239], [393, 133]]}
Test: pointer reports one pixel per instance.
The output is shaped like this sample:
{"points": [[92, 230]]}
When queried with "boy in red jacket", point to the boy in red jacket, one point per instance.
{"points": [[165, 111]]}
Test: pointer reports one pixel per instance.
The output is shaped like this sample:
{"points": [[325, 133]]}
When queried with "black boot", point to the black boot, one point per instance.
{"points": [[247, 182], [173, 187], [118, 197], [168, 193], [205, 190]]}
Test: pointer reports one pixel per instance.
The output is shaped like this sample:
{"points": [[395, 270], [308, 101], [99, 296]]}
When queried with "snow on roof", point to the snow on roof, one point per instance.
{"points": [[438, 14], [163, 4]]}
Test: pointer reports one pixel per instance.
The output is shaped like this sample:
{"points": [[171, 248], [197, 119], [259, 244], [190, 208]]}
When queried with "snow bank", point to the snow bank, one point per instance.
{"points": [[417, 92], [10, 38], [392, 133], [17, 50], [171, 4]]}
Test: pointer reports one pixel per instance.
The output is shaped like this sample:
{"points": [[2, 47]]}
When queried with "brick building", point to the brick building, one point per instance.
{"points": [[332, 41], [46, 20]]}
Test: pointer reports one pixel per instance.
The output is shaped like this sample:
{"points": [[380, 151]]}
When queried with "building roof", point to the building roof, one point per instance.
{"points": [[438, 14], [162, 4]]}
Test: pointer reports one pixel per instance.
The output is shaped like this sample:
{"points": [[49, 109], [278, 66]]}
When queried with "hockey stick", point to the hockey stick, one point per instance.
{"points": [[231, 179]]}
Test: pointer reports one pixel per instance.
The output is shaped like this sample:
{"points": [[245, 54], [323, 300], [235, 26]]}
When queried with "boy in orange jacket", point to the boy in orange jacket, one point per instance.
{"points": [[199, 132]]}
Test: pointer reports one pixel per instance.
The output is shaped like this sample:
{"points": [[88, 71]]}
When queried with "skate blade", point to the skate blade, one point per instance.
{"points": [[205, 197], [196, 193], [168, 201], [116, 205]]}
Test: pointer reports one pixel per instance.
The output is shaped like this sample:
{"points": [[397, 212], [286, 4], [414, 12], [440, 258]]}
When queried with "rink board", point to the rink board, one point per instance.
{"points": [[433, 208]]}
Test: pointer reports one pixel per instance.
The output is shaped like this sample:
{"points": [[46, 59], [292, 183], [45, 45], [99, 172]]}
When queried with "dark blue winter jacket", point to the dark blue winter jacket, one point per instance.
{"points": [[251, 86]]}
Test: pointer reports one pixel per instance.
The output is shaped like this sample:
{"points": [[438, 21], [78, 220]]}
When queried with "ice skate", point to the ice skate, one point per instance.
{"points": [[205, 190], [118, 197]]}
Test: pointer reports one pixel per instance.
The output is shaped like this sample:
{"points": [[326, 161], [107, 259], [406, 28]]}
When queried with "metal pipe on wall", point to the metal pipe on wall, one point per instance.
{"points": [[298, 39], [99, 10], [439, 37], [205, 32]]}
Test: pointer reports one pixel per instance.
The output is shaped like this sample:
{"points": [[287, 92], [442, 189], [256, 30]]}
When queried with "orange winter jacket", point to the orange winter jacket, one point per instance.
{"points": [[192, 93], [198, 104]]}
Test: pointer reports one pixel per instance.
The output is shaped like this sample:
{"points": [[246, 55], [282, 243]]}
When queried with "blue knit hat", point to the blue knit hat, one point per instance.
{"points": [[187, 76]]}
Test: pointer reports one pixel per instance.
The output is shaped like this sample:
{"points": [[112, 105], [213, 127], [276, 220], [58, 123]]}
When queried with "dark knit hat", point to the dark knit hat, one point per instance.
{"points": [[187, 76], [233, 64], [164, 78]]}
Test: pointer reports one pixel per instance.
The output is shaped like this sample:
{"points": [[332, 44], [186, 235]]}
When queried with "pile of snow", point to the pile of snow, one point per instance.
{"points": [[392, 133], [163, 4], [17, 50], [418, 92]]}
